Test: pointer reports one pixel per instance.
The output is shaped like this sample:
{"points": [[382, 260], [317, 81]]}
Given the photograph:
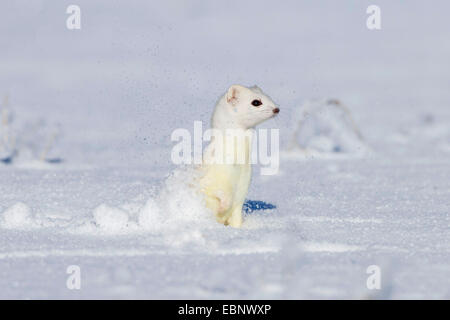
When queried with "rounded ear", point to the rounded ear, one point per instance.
{"points": [[233, 94], [257, 89]]}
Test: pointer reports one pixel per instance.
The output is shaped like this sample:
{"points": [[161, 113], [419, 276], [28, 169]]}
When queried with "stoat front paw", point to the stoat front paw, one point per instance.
{"points": [[224, 202]]}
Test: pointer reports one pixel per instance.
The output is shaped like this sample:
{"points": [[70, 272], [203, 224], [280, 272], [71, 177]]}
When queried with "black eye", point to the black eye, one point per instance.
{"points": [[256, 103]]}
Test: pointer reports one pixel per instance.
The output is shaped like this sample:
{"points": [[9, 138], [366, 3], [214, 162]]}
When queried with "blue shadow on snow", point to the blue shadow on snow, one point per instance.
{"points": [[256, 205]]}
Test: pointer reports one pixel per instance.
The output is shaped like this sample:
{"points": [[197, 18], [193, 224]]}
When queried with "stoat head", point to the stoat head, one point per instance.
{"points": [[244, 108]]}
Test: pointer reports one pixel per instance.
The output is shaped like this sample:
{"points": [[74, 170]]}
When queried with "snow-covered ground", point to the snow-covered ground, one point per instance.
{"points": [[135, 72]]}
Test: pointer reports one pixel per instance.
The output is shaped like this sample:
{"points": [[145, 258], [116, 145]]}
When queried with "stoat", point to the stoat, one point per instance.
{"points": [[226, 162]]}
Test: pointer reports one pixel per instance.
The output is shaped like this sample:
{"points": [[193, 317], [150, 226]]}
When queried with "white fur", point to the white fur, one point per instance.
{"points": [[225, 185]]}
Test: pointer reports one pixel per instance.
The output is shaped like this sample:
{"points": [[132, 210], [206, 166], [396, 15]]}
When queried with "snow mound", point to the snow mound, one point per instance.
{"points": [[35, 141], [16, 217], [325, 128], [110, 218], [40, 140], [7, 135], [150, 215], [178, 204]]}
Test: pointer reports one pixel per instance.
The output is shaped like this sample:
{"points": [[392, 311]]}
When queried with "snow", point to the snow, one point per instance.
{"points": [[110, 218], [325, 128], [119, 209], [17, 216]]}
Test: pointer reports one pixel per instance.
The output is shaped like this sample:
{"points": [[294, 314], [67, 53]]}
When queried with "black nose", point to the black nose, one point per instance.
{"points": [[276, 110]]}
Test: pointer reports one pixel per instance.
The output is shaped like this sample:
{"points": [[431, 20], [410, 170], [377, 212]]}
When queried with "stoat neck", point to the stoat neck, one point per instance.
{"points": [[222, 119], [231, 146], [234, 139]]}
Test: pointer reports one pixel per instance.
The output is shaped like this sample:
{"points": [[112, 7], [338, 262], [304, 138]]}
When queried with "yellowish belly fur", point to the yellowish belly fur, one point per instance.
{"points": [[225, 187]]}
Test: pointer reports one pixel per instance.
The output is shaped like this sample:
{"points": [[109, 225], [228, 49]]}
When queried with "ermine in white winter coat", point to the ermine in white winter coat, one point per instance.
{"points": [[226, 161]]}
